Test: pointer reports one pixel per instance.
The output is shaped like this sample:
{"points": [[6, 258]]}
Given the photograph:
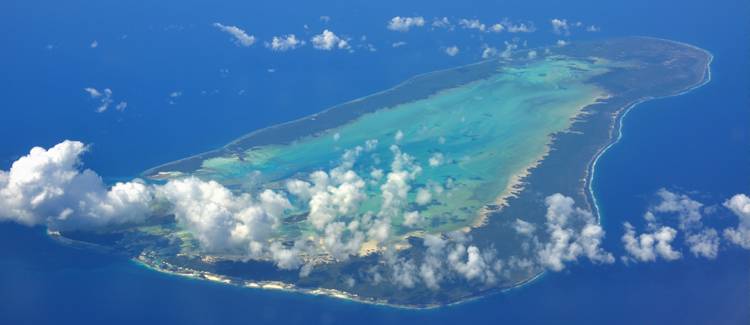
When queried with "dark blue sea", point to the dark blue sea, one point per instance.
{"points": [[698, 143]]}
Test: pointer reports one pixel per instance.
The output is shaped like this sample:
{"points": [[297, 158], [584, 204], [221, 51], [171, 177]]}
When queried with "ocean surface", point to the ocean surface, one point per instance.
{"points": [[698, 143]]}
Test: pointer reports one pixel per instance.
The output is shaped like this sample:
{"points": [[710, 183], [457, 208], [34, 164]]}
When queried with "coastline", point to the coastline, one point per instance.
{"points": [[322, 292], [515, 185], [155, 171], [517, 180], [619, 119]]}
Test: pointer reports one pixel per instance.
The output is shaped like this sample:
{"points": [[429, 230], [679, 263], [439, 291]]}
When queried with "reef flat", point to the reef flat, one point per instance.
{"points": [[486, 143]]}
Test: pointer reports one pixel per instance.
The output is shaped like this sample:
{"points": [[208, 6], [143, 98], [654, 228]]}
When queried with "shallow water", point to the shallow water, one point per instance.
{"points": [[482, 134], [693, 142]]}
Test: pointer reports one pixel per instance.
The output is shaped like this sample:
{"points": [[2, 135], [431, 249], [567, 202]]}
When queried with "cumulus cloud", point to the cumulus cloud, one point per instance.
{"points": [[241, 38], [740, 205], [489, 52], [560, 26], [104, 97], [221, 220], [47, 187], [657, 241], [573, 233], [448, 256], [412, 218], [327, 40], [592, 28], [507, 53], [404, 24], [701, 240], [121, 106], [436, 159], [396, 187], [518, 27], [94, 44], [398, 44], [398, 136], [452, 51], [497, 28], [687, 209], [704, 243], [173, 96], [443, 22], [561, 43], [523, 227], [647, 247], [284, 43], [472, 24], [331, 195], [424, 196]]}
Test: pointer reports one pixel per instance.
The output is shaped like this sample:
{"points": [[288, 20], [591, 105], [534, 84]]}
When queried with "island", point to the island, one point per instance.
{"points": [[449, 160]]}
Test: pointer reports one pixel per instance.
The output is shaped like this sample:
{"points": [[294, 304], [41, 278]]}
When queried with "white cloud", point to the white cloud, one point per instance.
{"points": [[567, 241], [403, 24], [241, 38], [342, 240], [173, 96], [94, 44], [687, 209], [104, 97], [497, 28], [562, 43], [424, 196], [523, 227], [331, 195], [560, 26], [443, 22], [436, 159], [472, 24], [325, 19], [531, 55], [451, 257], [46, 187], [740, 205], [399, 136], [285, 258], [327, 41], [475, 266], [285, 43], [404, 273], [121, 106], [704, 243], [452, 51], [592, 28], [518, 28], [507, 53], [412, 219], [647, 247], [92, 92], [396, 187], [398, 44], [489, 52], [221, 220], [371, 144]]}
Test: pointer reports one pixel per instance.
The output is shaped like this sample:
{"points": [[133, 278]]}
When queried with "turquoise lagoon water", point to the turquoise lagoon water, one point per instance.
{"points": [[696, 142], [479, 136]]}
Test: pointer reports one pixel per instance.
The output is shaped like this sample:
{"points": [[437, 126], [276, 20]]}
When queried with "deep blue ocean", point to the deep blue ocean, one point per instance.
{"points": [[698, 143]]}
